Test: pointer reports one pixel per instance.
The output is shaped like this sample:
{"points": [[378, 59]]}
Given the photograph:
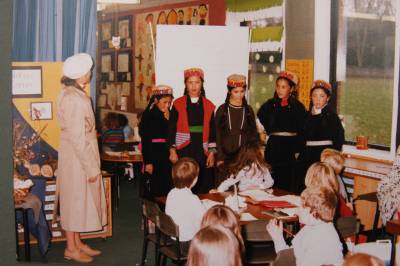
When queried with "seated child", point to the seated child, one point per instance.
{"points": [[184, 207], [214, 245], [126, 129], [317, 243], [335, 159], [322, 174], [248, 169], [112, 132], [225, 216]]}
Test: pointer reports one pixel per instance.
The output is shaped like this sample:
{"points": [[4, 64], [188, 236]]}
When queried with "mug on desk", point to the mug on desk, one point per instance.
{"points": [[362, 142]]}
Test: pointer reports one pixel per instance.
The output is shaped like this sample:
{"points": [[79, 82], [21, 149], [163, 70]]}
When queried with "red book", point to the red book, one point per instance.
{"points": [[276, 204]]}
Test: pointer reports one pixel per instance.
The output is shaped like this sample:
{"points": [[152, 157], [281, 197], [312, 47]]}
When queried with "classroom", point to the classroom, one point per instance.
{"points": [[151, 131]]}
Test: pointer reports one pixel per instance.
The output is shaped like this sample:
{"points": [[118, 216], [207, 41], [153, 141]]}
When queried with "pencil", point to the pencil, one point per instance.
{"points": [[288, 232]]}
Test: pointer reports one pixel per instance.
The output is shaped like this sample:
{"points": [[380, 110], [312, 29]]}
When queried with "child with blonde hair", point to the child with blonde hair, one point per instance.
{"points": [[317, 243], [214, 245], [226, 217], [335, 159], [184, 207]]}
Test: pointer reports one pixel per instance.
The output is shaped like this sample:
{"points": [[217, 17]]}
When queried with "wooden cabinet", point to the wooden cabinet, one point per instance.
{"points": [[55, 228], [365, 175]]}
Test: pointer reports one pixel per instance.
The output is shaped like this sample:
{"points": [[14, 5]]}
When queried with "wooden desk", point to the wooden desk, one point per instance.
{"points": [[255, 210], [366, 174], [135, 158]]}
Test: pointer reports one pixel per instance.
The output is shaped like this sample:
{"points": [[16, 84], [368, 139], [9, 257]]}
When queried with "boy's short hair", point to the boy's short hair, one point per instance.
{"points": [[334, 159], [322, 202], [321, 175], [184, 172]]}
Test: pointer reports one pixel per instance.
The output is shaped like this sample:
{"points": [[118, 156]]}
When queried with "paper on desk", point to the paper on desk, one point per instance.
{"points": [[209, 203], [257, 194], [113, 153], [288, 211], [235, 202], [245, 216], [293, 199]]}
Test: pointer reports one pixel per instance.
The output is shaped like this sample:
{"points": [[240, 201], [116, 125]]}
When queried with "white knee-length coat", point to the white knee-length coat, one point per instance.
{"points": [[82, 204]]}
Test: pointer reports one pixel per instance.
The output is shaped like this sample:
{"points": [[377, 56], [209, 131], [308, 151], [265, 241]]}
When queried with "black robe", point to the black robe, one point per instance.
{"points": [[280, 150], [320, 127], [154, 125], [228, 138], [195, 149]]}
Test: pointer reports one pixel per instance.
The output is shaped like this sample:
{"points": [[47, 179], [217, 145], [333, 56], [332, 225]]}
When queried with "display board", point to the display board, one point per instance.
{"points": [[218, 50]]}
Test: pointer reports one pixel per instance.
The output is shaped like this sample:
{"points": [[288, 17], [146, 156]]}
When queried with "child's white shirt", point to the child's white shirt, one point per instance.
{"points": [[314, 245], [186, 209], [249, 178]]}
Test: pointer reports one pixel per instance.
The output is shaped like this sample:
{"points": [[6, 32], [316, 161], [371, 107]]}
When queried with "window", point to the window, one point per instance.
{"points": [[365, 69]]}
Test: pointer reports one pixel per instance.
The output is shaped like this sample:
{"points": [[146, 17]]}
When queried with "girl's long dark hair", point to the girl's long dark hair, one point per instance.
{"points": [[248, 155], [250, 120], [202, 90]]}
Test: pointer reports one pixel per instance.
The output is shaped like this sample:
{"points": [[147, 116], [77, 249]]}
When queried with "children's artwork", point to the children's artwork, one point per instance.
{"points": [[27, 82], [102, 100], [41, 111], [106, 34], [107, 67], [124, 31], [124, 68], [145, 28]]}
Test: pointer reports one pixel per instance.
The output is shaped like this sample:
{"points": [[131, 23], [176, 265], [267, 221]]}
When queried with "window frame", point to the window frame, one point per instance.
{"points": [[374, 150]]}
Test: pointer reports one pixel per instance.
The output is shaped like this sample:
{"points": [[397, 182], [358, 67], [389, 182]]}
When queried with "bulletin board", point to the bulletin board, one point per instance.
{"points": [[146, 25], [304, 70], [36, 135]]}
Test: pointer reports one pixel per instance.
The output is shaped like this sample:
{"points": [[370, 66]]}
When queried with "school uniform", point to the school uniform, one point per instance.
{"points": [[153, 130], [186, 210], [235, 126], [248, 178], [283, 122], [192, 134], [321, 131]]}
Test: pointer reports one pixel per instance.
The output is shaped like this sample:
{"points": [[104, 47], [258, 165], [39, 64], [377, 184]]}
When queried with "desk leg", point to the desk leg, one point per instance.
{"points": [[26, 235], [393, 250]]}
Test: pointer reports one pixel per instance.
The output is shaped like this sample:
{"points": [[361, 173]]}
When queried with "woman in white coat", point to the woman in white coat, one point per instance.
{"points": [[79, 181]]}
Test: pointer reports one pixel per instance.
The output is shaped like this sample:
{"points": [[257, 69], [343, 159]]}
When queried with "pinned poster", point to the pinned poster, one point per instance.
{"points": [[305, 71]]}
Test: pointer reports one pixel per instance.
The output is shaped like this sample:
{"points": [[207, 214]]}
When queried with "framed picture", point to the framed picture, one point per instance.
{"points": [[27, 82], [124, 66], [107, 67], [41, 111], [106, 33], [125, 31]]}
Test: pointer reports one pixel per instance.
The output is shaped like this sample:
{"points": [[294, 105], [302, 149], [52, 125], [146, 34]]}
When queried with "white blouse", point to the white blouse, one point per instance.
{"points": [[314, 245], [248, 178]]}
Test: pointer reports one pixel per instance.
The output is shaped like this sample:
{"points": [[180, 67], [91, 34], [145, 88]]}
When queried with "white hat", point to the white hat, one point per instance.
{"points": [[77, 65]]}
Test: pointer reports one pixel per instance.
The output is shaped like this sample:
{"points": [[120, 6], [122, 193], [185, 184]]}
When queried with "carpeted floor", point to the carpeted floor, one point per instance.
{"points": [[123, 248]]}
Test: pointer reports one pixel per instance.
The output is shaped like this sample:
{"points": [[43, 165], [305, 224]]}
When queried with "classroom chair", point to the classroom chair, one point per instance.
{"points": [[371, 197], [169, 233], [258, 243], [150, 212]]}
